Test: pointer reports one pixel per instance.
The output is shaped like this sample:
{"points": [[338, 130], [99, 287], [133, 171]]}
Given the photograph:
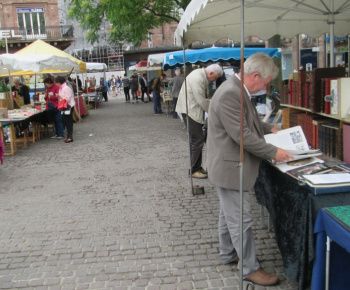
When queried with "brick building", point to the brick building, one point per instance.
{"points": [[22, 22]]}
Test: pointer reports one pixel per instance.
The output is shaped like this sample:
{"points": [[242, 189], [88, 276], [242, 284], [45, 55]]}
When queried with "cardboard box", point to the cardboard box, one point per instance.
{"points": [[3, 113], [3, 96], [3, 104]]}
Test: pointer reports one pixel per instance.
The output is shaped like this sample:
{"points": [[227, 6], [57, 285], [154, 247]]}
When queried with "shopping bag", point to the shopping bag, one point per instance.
{"points": [[62, 105]]}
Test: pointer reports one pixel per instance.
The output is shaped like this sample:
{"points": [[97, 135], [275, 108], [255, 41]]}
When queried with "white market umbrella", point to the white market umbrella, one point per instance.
{"points": [[210, 20], [19, 64], [37, 63]]}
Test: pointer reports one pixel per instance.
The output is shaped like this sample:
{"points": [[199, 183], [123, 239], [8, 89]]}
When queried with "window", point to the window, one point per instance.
{"points": [[150, 40], [31, 22]]}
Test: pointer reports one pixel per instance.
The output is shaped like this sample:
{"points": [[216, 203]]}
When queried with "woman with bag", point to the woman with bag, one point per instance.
{"points": [[66, 105], [51, 106]]}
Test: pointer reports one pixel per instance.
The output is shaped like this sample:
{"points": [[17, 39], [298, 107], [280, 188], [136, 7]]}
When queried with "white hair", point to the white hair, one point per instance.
{"points": [[261, 63], [215, 68]]}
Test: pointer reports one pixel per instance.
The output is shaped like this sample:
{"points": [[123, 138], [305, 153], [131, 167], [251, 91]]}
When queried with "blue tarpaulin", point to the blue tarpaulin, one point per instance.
{"points": [[214, 54]]}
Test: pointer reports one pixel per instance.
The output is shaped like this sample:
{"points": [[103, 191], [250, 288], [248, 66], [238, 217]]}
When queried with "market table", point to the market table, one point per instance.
{"points": [[21, 118], [94, 97], [293, 210], [333, 223]]}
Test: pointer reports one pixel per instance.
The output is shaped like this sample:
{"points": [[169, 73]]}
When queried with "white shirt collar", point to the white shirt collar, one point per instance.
{"points": [[250, 97]]}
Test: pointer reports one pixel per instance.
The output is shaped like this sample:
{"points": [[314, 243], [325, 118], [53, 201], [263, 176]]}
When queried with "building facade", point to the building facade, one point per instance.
{"points": [[22, 22]]}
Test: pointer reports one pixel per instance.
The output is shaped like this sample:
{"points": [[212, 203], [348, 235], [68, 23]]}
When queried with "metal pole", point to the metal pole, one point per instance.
{"points": [[76, 84], [187, 122], [7, 49], [241, 180], [327, 262]]}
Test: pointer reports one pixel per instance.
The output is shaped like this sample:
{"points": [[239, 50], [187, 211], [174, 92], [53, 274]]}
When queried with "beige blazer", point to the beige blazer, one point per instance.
{"points": [[223, 140], [197, 94]]}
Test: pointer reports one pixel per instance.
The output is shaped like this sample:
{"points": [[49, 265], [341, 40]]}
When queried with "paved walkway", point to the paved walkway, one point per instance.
{"points": [[114, 210]]}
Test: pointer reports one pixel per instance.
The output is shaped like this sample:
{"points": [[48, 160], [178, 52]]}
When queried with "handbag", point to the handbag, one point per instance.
{"points": [[52, 108], [62, 105]]}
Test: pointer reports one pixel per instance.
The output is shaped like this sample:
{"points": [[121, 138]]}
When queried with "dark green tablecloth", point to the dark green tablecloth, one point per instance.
{"points": [[293, 210]]}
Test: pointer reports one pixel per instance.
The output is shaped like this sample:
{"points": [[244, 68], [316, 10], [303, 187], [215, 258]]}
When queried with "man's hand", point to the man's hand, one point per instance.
{"points": [[274, 130], [283, 155]]}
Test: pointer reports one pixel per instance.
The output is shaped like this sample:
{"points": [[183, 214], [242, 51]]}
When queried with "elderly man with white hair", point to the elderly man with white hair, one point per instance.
{"points": [[198, 103]]}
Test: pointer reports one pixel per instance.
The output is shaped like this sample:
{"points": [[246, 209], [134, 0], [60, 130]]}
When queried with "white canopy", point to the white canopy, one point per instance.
{"points": [[157, 59], [95, 66], [35, 63], [209, 21]]}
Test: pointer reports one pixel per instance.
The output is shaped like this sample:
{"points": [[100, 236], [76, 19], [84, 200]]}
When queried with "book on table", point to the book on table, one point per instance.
{"points": [[326, 183], [313, 168], [292, 140]]}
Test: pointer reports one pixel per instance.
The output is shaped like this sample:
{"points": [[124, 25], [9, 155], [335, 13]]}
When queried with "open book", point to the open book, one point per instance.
{"points": [[292, 140]]}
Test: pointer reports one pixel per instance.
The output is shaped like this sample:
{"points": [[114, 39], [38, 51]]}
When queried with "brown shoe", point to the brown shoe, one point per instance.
{"points": [[199, 175], [262, 278], [202, 170]]}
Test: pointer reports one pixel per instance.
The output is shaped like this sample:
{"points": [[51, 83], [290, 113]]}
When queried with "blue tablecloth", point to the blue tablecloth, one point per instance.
{"points": [[340, 253]]}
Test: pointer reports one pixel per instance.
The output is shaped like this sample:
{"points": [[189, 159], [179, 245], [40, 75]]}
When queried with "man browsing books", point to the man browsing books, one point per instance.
{"points": [[223, 157]]}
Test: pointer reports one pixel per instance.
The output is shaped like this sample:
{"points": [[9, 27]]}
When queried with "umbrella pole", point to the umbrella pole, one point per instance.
{"points": [[187, 122], [11, 97], [76, 84], [241, 180]]}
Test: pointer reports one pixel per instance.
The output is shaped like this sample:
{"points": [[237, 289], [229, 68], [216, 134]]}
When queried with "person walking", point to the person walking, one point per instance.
{"points": [[67, 115], [51, 99], [198, 103], [104, 88], [126, 85], [176, 84], [223, 157], [156, 88], [134, 85], [144, 88]]}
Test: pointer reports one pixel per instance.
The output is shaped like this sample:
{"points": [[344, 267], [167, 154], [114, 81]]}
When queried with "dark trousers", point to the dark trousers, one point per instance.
{"points": [[104, 94], [145, 91], [197, 140], [174, 107], [68, 123], [57, 119], [127, 93]]}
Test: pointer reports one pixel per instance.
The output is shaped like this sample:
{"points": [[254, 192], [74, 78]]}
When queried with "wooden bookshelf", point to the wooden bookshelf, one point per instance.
{"points": [[304, 104]]}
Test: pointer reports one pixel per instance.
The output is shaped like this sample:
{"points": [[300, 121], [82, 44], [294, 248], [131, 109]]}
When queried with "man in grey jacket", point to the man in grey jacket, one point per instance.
{"points": [[223, 156], [176, 84], [198, 103]]}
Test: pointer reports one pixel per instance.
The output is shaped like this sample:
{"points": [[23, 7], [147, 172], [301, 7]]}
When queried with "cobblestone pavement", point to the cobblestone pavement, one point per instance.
{"points": [[114, 210]]}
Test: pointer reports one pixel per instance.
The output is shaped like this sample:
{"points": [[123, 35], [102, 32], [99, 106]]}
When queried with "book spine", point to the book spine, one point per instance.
{"points": [[312, 92]]}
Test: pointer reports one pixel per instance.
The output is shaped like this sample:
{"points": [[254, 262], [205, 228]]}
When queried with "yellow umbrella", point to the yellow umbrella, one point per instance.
{"points": [[41, 47]]}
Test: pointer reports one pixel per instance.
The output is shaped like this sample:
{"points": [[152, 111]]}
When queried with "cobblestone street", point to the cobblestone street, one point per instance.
{"points": [[114, 210]]}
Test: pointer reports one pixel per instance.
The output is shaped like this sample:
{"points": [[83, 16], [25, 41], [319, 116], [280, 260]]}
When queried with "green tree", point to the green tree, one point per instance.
{"points": [[130, 19]]}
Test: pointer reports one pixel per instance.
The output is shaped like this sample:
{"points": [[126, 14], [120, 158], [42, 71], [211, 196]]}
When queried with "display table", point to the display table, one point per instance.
{"points": [[293, 210], [21, 118], [331, 222]]}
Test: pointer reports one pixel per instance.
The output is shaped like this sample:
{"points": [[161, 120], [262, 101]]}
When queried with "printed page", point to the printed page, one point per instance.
{"points": [[289, 139]]}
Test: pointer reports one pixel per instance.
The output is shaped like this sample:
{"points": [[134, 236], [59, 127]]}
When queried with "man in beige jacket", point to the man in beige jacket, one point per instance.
{"points": [[223, 158], [198, 103]]}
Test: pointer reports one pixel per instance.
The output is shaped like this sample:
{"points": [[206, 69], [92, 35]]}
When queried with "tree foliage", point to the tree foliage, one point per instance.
{"points": [[130, 19]]}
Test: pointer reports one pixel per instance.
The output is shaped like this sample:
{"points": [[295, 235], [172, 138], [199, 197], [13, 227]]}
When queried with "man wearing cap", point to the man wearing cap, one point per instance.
{"points": [[22, 90]]}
